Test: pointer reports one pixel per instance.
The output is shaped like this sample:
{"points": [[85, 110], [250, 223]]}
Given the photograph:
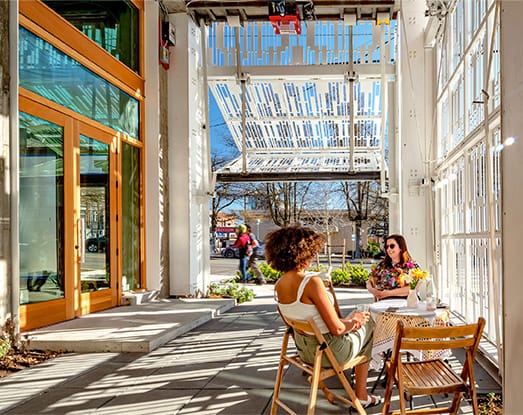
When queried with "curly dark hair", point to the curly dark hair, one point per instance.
{"points": [[292, 247]]}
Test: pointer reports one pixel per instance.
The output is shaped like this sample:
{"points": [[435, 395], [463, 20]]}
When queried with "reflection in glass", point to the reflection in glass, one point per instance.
{"points": [[94, 205], [112, 24], [41, 210], [52, 74], [131, 217]]}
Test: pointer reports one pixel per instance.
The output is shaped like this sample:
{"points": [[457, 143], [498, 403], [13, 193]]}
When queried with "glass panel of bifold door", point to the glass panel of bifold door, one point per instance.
{"points": [[41, 232], [94, 210]]}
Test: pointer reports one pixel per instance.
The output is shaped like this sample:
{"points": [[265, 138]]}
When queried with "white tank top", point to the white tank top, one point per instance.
{"points": [[302, 311]]}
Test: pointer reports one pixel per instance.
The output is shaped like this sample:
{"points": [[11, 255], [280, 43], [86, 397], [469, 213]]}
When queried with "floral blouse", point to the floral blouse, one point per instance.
{"points": [[390, 277]]}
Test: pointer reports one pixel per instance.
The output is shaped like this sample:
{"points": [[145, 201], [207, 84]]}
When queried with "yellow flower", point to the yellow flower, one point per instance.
{"points": [[414, 276], [418, 274]]}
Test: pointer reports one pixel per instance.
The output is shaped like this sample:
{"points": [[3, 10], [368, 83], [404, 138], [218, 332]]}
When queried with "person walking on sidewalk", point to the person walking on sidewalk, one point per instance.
{"points": [[251, 264], [243, 243]]}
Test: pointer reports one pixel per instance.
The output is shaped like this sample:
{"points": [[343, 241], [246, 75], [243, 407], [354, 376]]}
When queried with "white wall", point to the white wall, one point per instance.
{"points": [[512, 223], [152, 150], [8, 102]]}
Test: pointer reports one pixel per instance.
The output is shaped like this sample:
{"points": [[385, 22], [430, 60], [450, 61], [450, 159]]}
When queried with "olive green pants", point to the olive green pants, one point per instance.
{"points": [[345, 347]]}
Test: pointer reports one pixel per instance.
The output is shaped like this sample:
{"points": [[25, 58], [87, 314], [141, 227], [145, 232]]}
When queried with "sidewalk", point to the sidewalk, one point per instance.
{"points": [[224, 366]]}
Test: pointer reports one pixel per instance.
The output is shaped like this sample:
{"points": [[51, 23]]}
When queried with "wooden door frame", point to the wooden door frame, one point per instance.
{"points": [[74, 302], [36, 17]]}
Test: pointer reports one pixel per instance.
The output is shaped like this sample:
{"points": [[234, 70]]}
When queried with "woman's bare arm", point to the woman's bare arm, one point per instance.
{"points": [[316, 294], [395, 292]]}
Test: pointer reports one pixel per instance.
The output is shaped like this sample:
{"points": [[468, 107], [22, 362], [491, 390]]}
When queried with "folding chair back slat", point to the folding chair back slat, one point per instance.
{"points": [[330, 286], [439, 332], [436, 344]]}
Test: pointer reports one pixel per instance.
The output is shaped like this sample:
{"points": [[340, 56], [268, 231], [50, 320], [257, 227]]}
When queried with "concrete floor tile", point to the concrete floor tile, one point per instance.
{"points": [[224, 366]]}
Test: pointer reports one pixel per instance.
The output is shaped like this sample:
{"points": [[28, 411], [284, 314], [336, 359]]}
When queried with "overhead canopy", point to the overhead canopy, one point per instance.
{"points": [[298, 108], [257, 10], [298, 130]]}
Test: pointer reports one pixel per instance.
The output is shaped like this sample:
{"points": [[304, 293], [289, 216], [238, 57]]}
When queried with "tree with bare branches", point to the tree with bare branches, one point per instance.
{"points": [[364, 203], [285, 201]]}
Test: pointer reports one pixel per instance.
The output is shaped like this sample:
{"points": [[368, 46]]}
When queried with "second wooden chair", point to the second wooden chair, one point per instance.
{"points": [[433, 376]]}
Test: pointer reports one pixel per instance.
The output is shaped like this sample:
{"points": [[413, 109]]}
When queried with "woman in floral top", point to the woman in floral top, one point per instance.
{"points": [[387, 279]]}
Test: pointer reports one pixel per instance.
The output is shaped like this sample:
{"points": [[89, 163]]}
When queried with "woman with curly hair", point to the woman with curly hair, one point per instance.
{"points": [[302, 295], [387, 278]]}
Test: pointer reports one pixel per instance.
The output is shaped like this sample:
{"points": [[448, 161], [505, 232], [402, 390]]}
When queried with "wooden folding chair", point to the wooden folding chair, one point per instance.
{"points": [[317, 373], [330, 286], [433, 376], [384, 334]]}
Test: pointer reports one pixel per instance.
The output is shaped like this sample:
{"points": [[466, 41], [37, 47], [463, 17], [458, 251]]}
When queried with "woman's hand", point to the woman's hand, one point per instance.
{"points": [[356, 321], [377, 293], [380, 294]]}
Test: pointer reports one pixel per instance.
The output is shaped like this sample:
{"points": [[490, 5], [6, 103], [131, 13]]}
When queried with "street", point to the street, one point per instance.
{"points": [[228, 266]]}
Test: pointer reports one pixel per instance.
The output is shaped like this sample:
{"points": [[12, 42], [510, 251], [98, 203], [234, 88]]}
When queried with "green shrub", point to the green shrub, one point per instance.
{"points": [[358, 274], [373, 248], [339, 276], [232, 290], [319, 269], [270, 274], [5, 345]]}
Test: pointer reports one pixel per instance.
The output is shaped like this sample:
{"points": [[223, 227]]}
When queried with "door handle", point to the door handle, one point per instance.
{"points": [[81, 240]]}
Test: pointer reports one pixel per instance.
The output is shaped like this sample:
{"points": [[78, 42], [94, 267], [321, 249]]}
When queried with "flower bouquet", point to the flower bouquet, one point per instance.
{"points": [[414, 276]]}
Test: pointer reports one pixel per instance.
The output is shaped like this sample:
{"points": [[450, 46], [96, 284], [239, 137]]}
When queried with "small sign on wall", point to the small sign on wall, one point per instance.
{"points": [[167, 38], [164, 55], [168, 33]]}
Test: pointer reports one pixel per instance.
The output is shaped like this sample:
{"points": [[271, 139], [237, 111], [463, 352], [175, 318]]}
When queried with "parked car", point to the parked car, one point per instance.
{"points": [[232, 252], [229, 252], [96, 244]]}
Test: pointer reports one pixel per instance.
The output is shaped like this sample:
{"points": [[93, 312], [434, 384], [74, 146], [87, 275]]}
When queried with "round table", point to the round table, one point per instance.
{"points": [[386, 314], [399, 306]]}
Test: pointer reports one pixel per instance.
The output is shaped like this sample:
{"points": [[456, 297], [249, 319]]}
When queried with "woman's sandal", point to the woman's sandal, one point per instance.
{"points": [[372, 400]]}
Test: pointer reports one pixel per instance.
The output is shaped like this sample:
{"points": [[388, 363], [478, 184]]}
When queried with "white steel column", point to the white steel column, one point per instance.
{"points": [[433, 245], [152, 149], [413, 154], [512, 204], [188, 169]]}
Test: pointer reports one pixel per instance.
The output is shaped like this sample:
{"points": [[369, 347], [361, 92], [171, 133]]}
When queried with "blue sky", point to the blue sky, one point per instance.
{"points": [[219, 129]]}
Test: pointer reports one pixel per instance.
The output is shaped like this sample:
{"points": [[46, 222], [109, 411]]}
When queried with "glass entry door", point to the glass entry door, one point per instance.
{"points": [[95, 269], [68, 224], [96, 220]]}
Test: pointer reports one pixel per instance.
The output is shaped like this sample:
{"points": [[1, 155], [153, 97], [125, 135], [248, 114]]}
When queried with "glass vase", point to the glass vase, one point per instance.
{"points": [[412, 299]]}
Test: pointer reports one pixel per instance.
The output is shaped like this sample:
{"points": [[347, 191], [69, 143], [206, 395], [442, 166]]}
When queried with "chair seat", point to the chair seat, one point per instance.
{"points": [[326, 372], [431, 377]]}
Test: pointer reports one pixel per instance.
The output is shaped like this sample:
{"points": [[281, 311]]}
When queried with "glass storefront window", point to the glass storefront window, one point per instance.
{"points": [[131, 217], [111, 24], [41, 210], [52, 74]]}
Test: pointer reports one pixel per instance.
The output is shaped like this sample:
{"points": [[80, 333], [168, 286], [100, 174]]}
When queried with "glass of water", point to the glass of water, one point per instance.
{"points": [[363, 308]]}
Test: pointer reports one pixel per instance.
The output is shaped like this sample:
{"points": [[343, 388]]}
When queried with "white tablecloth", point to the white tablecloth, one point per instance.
{"points": [[399, 306]]}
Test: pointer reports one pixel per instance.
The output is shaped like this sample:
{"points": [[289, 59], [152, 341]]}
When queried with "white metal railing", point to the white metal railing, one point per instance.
{"points": [[468, 264]]}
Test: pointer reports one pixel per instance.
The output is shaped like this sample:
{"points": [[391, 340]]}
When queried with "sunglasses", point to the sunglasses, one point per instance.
{"points": [[390, 246]]}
